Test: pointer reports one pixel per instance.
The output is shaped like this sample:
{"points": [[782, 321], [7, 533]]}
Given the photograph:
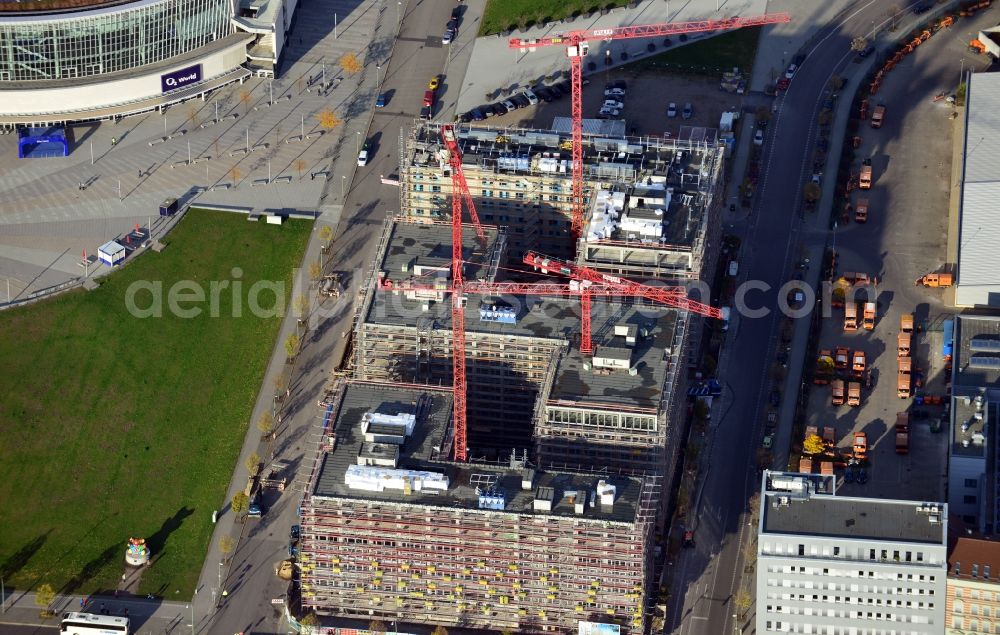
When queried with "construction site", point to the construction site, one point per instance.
{"points": [[651, 204], [502, 452], [393, 529]]}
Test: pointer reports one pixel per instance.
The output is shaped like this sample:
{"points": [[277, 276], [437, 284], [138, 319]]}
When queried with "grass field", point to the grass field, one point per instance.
{"points": [[712, 56], [113, 426], [506, 15]]}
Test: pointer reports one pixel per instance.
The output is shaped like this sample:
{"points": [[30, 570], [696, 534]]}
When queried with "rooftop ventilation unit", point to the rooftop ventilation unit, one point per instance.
{"points": [[984, 345], [544, 498], [492, 498]]}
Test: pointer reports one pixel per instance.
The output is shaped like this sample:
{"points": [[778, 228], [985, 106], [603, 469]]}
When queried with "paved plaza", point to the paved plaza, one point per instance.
{"points": [[52, 210]]}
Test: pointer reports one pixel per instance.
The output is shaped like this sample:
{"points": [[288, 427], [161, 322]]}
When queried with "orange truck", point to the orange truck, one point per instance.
{"points": [[904, 379], [860, 446], [869, 316], [878, 116], [936, 280], [865, 180], [824, 367], [861, 211], [903, 344], [854, 393], [858, 363], [850, 316], [837, 392], [805, 465], [829, 436], [906, 323], [826, 468], [842, 358], [902, 433]]}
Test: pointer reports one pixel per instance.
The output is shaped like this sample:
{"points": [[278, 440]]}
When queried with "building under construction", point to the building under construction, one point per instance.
{"points": [[529, 386], [394, 530], [652, 204]]}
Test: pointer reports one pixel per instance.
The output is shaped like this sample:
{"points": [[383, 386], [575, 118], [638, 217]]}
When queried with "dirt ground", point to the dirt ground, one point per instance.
{"points": [[646, 102]]}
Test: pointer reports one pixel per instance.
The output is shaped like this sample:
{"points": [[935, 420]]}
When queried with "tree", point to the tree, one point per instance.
{"points": [[315, 270], [301, 305], [439, 630], [762, 114], [292, 345], [300, 165], [960, 95], [702, 411], [377, 626], [328, 120], [749, 554], [859, 44], [743, 601], [326, 235], [44, 596], [245, 98], [350, 63], [753, 506], [824, 117], [811, 192], [253, 464], [836, 82], [266, 424], [240, 502], [226, 544], [813, 444], [309, 621], [235, 173]]}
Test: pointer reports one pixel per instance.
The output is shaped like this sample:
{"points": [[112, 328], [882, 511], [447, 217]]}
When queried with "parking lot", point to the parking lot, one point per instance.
{"points": [[905, 237], [647, 96]]}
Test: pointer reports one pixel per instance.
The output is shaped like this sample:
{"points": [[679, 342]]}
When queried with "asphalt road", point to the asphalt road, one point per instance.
{"points": [[418, 55], [711, 573]]}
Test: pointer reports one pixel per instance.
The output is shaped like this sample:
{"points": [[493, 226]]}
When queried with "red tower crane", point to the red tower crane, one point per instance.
{"points": [[675, 297], [577, 45]]}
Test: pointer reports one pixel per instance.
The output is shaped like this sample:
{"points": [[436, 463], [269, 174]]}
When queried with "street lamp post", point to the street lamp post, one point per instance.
{"points": [[195, 597], [378, 67], [357, 143], [399, 11], [343, 183]]}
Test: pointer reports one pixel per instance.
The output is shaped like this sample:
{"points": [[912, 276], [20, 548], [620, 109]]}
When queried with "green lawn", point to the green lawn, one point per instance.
{"points": [[506, 15], [712, 56], [113, 426]]}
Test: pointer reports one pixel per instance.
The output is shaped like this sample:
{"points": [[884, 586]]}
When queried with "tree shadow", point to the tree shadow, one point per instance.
{"points": [[18, 559], [92, 568], [158, 540]]}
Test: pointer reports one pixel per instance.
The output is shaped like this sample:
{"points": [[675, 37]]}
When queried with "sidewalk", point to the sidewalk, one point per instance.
{"points": [[147, 617]]}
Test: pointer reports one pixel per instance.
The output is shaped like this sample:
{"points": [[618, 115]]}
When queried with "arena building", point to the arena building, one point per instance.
{"points": [[70, 60]]}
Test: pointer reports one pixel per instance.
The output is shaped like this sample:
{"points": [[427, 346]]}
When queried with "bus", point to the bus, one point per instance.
{"points": [[90, 624]]}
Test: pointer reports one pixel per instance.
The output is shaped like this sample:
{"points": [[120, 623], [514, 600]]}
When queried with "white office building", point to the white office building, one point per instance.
{"points": [[838, 565]]}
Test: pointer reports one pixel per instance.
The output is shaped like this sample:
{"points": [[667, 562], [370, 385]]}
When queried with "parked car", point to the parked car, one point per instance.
{"points": [[448, 37], [456, 12], [465, 117], [545, 94], [672, 110], [520, 100], [530, 96], [758, 137], [775, 398], [783, 83], [380, 101], [294, 532], [509, 105], [688, 111], [428, 98], [488, 110], [790, 73], [563, 88], [255, 509], [434, 83], [618, 83], [426, 112], [611, 103], [865, 52], [500, 108], [363, 156], [614, 92], [452, 25], [477, 114]]}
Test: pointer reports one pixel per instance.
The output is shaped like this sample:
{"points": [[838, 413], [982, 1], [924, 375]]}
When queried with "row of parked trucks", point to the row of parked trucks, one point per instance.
{"points": [[904, 375]]}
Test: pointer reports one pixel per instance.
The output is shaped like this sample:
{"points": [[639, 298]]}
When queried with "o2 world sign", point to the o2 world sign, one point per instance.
{"points": [[180, 78]]}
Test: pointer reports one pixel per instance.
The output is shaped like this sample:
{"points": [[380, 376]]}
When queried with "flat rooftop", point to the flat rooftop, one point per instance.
{"points": [[540, 152], [851, 518], [421, 452], [970, 421], [977, 352], [680, 220], [555, 318]]}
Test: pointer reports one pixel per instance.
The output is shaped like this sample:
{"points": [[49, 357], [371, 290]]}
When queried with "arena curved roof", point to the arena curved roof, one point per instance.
{"points": [[42, 7]]}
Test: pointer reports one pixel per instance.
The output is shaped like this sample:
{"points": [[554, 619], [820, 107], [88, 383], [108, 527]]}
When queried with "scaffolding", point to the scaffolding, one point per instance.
{"points": [[446, 560]]}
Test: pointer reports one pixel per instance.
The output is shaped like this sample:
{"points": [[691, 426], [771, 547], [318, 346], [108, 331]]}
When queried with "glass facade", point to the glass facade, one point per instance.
{"points": [[110, 40]]}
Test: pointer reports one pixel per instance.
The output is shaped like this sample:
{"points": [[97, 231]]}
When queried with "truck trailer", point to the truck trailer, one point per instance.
{"points": [[865, 180], [902, 433], [878, 116]]}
